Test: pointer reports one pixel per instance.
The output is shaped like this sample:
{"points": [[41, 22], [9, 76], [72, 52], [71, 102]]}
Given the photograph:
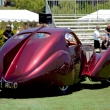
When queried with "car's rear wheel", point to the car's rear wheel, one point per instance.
{"points": [[64, 89]]}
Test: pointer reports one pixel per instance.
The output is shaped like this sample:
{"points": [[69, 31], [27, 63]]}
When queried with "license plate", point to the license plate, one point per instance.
{"points": [[8, 85]]}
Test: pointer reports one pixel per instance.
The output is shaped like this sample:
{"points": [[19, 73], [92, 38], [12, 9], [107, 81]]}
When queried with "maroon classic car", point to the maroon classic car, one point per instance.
{"points": [[41, 56]]}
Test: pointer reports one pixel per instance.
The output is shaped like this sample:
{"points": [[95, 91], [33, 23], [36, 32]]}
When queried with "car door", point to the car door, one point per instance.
{"points": [[73, 48], [74, 51]]}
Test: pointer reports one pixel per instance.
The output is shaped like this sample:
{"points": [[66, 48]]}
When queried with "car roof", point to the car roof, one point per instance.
{"points": [[46, 29]]}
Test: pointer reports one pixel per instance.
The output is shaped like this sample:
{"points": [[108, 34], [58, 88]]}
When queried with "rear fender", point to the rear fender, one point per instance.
{"points": [[97, 68], [102, 68], [50, 66]]}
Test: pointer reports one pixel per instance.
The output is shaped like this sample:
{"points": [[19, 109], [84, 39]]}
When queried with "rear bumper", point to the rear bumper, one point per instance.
{"points": [[32, 83], [8, 84]]}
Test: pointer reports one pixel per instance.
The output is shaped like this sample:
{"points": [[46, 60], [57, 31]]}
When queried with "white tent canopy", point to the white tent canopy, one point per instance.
{"points": [[100, 15], [18, 16]]}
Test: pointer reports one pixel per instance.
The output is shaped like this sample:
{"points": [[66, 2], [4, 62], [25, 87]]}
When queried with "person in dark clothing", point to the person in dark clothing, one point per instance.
{"points": [[105, 43], [107, 30], [8, 33]]}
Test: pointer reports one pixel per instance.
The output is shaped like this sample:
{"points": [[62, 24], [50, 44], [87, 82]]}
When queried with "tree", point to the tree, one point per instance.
{"points": [[32, 5]]}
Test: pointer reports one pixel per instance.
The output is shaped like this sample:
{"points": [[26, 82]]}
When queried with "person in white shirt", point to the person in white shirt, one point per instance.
{"points": [[97, 38]]}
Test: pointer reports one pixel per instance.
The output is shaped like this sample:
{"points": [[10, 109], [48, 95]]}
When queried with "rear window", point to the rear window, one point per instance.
{"points": [[22, 36], [41, 35]]}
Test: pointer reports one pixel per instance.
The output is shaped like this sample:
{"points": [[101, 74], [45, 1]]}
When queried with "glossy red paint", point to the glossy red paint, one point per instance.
{"points": [[97, 68], [49, 60]]}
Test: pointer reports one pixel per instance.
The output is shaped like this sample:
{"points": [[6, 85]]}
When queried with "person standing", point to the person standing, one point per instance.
{"points": [[26, 27], [97, 38], [8, 33], [19, 29], [105, 43], [107, 31], [38, 25]]}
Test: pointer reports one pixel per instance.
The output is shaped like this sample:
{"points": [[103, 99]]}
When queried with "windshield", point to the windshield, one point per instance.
{"points": [[22, 36], [41, 35]]}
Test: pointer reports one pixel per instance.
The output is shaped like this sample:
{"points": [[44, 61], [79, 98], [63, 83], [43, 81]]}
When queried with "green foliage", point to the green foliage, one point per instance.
{"points": [[32, 5], [1, 38]]}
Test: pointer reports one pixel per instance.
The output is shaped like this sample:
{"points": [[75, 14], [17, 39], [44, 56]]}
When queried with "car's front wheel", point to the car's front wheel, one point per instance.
{"points": [[106, 81]]}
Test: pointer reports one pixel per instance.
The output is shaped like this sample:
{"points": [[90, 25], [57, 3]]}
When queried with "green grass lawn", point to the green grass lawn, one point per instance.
{"points": [[85, 96]]}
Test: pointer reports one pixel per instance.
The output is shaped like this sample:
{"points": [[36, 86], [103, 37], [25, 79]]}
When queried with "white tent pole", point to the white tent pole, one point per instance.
{"points": [[12, 26], [97, 9], [75, 8]]}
